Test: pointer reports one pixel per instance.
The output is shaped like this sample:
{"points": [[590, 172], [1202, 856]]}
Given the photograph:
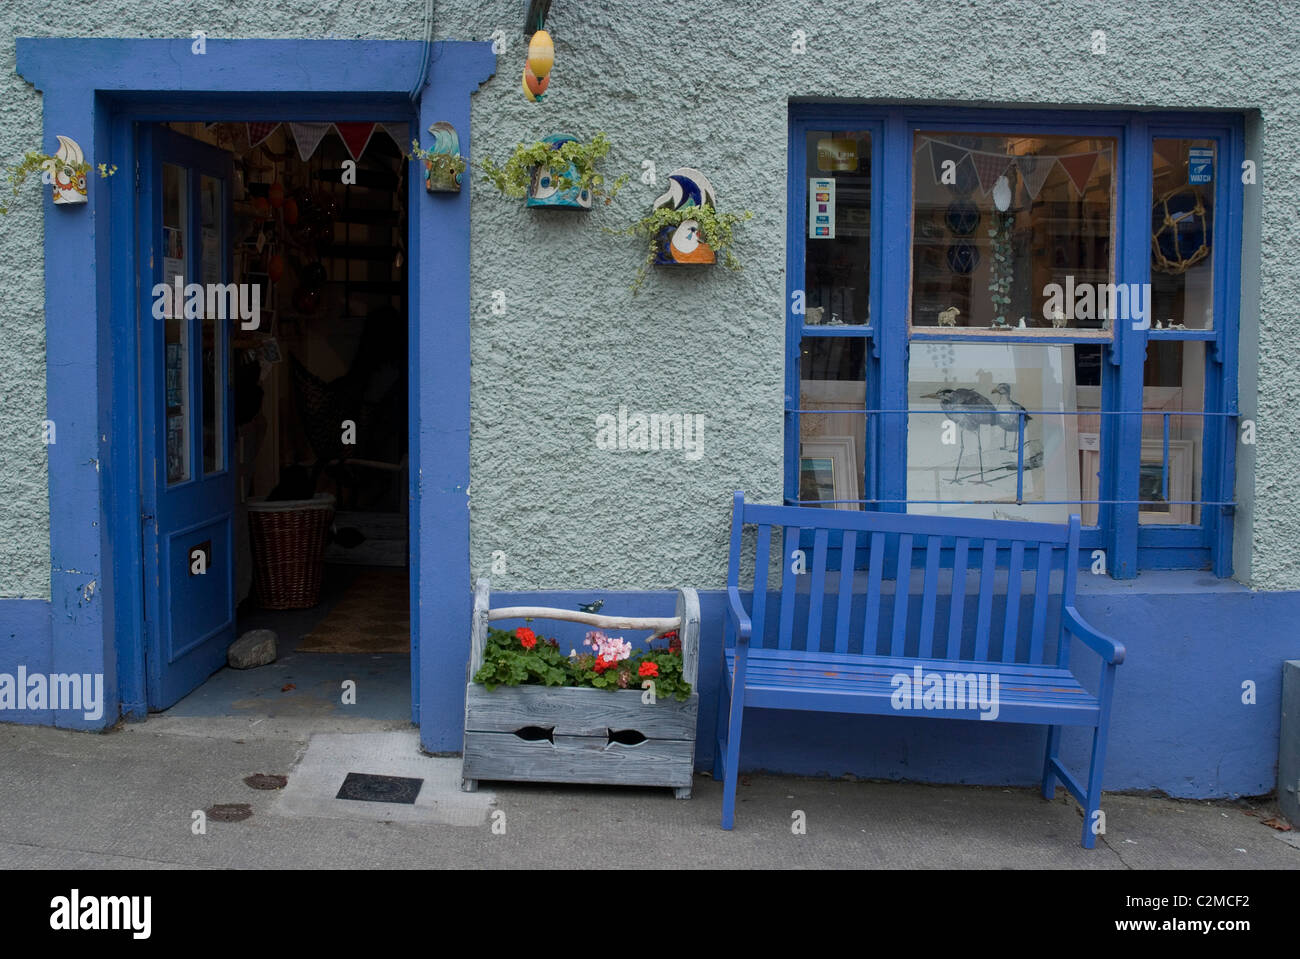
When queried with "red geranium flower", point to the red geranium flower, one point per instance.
{"points": [[600, 665], [648, 669], [526, 637]]}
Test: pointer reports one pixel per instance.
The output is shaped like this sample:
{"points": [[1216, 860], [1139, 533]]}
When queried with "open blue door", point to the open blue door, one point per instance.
{"points": [[188, 484]]}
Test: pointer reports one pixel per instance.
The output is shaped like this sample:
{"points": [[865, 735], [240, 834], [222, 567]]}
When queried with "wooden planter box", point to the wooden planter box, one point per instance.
{"points": [[581, 735]]}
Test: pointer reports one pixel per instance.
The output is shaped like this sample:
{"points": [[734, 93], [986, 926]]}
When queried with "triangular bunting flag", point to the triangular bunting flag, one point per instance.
{"points": [[401, 134], [308, 137], [940, 153], [1035, 171], [257, 132], [990, 166], [355, 137], [1079, 169]]}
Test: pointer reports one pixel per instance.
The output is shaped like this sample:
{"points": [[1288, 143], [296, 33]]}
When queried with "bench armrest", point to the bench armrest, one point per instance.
{"points": [[738, 615], [1105, 647]]}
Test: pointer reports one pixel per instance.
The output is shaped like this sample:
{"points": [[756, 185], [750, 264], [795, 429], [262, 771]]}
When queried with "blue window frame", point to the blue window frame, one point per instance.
{"points": [[1158, 500]]}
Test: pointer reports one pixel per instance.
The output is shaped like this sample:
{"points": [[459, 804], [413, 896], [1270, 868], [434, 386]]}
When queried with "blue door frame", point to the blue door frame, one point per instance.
{"points": [[91, 362]]}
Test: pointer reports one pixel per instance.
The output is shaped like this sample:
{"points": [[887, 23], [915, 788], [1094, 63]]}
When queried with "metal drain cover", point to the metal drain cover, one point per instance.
{"points": [[369, 788], [229, 812], [266, 781]]}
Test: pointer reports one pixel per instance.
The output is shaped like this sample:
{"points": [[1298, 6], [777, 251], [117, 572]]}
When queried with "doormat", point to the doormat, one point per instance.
{"points": [[372, 617], [366, 787]]}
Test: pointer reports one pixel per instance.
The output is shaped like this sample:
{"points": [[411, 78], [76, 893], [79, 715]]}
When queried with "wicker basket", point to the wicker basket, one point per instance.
{"points": [[288, 543]]}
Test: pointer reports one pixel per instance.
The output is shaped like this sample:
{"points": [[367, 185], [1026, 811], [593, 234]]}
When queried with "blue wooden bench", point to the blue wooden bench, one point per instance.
{"points": [[800, 663]]}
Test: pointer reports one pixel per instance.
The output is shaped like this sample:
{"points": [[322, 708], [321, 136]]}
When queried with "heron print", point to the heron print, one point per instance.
{"points": [[970, 411]]}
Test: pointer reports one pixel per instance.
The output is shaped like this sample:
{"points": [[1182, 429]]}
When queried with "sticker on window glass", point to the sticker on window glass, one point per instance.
{"points": [[1200, 165], [837, 155], [821, 208]]}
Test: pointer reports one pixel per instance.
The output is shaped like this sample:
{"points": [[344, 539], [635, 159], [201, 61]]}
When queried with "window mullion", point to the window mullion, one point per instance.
{"points": [[891, 331], [1133, 265]]}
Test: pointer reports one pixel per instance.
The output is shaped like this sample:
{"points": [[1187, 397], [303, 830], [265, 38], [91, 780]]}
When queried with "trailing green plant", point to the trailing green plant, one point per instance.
{"points": [[716, 229], [520, 657], [513, 178], [34, 161]]}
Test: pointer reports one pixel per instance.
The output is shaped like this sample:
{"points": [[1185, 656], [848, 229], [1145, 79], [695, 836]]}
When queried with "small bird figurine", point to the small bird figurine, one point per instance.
{"points": [[1023, 324], [1159, 325], [591, 607], [1058, 319], [948, 317]]}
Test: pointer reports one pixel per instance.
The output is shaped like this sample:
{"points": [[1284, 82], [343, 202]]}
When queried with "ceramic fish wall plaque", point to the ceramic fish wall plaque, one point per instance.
{"points": [[67, 169], [684, 244], [545, 190]]}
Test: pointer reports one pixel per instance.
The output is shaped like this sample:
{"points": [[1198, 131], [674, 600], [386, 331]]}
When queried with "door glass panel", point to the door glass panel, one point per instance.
{"points": [[967, 404], [1182, 232], [176, 365], [1013, 232], [1173, 382], [214, 387], [832, 445], [838, 251]]}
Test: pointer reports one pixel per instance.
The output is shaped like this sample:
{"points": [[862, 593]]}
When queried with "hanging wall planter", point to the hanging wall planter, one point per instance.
{"points": [[558, 172], [444, 167], [65, 172], [684, 228]]}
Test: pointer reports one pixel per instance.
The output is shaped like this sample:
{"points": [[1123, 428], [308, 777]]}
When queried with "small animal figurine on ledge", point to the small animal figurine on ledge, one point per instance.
{"points": [[593, 607], [1058, 319], [1023, 324], [948, 317]]}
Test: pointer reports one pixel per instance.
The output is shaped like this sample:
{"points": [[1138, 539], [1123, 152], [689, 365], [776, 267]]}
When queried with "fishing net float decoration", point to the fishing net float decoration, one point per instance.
{"points": [[537, 71]]}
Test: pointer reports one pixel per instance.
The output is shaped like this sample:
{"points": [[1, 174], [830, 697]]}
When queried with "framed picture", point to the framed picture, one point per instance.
{"points": [[1156, 508], [963, 450], [827, 471]]}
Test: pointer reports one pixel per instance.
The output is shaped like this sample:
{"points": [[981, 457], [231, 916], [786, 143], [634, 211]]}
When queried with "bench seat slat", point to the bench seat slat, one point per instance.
{"points": [[769, 685], [818, 663]]}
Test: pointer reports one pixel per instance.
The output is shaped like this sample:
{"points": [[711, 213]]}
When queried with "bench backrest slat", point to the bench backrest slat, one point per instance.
{"points": [[817, 592], [844, 609], [789, 582], [917, 625], [762, 562], [871, 621], [1011, 617], [902, 594], [1042, 587], [957, 611], [989, 552], [925, 644]]}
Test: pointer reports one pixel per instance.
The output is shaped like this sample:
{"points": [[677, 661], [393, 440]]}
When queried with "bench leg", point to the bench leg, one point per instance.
{"points": [[731, 762], [1093, 803], [719, 738], [1049, 774]]}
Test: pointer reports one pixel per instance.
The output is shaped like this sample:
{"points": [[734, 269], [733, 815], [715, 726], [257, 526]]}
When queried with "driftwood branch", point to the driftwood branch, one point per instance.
{"points": [[658, 624]]}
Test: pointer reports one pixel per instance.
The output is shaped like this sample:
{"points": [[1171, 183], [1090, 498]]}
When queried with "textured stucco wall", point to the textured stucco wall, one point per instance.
{"points": [[705, 87]]}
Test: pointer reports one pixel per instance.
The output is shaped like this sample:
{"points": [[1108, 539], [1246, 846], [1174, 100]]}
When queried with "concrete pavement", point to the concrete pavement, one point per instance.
{"points": [[126, 800]]}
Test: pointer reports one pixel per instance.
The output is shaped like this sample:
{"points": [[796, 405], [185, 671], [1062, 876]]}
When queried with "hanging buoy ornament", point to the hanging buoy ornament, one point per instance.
{"points": [[541, 54], [534, 87], [541, 57]]}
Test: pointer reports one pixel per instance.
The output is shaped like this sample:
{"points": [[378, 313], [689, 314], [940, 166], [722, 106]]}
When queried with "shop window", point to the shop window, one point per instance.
{"points": [[967, 328]]}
